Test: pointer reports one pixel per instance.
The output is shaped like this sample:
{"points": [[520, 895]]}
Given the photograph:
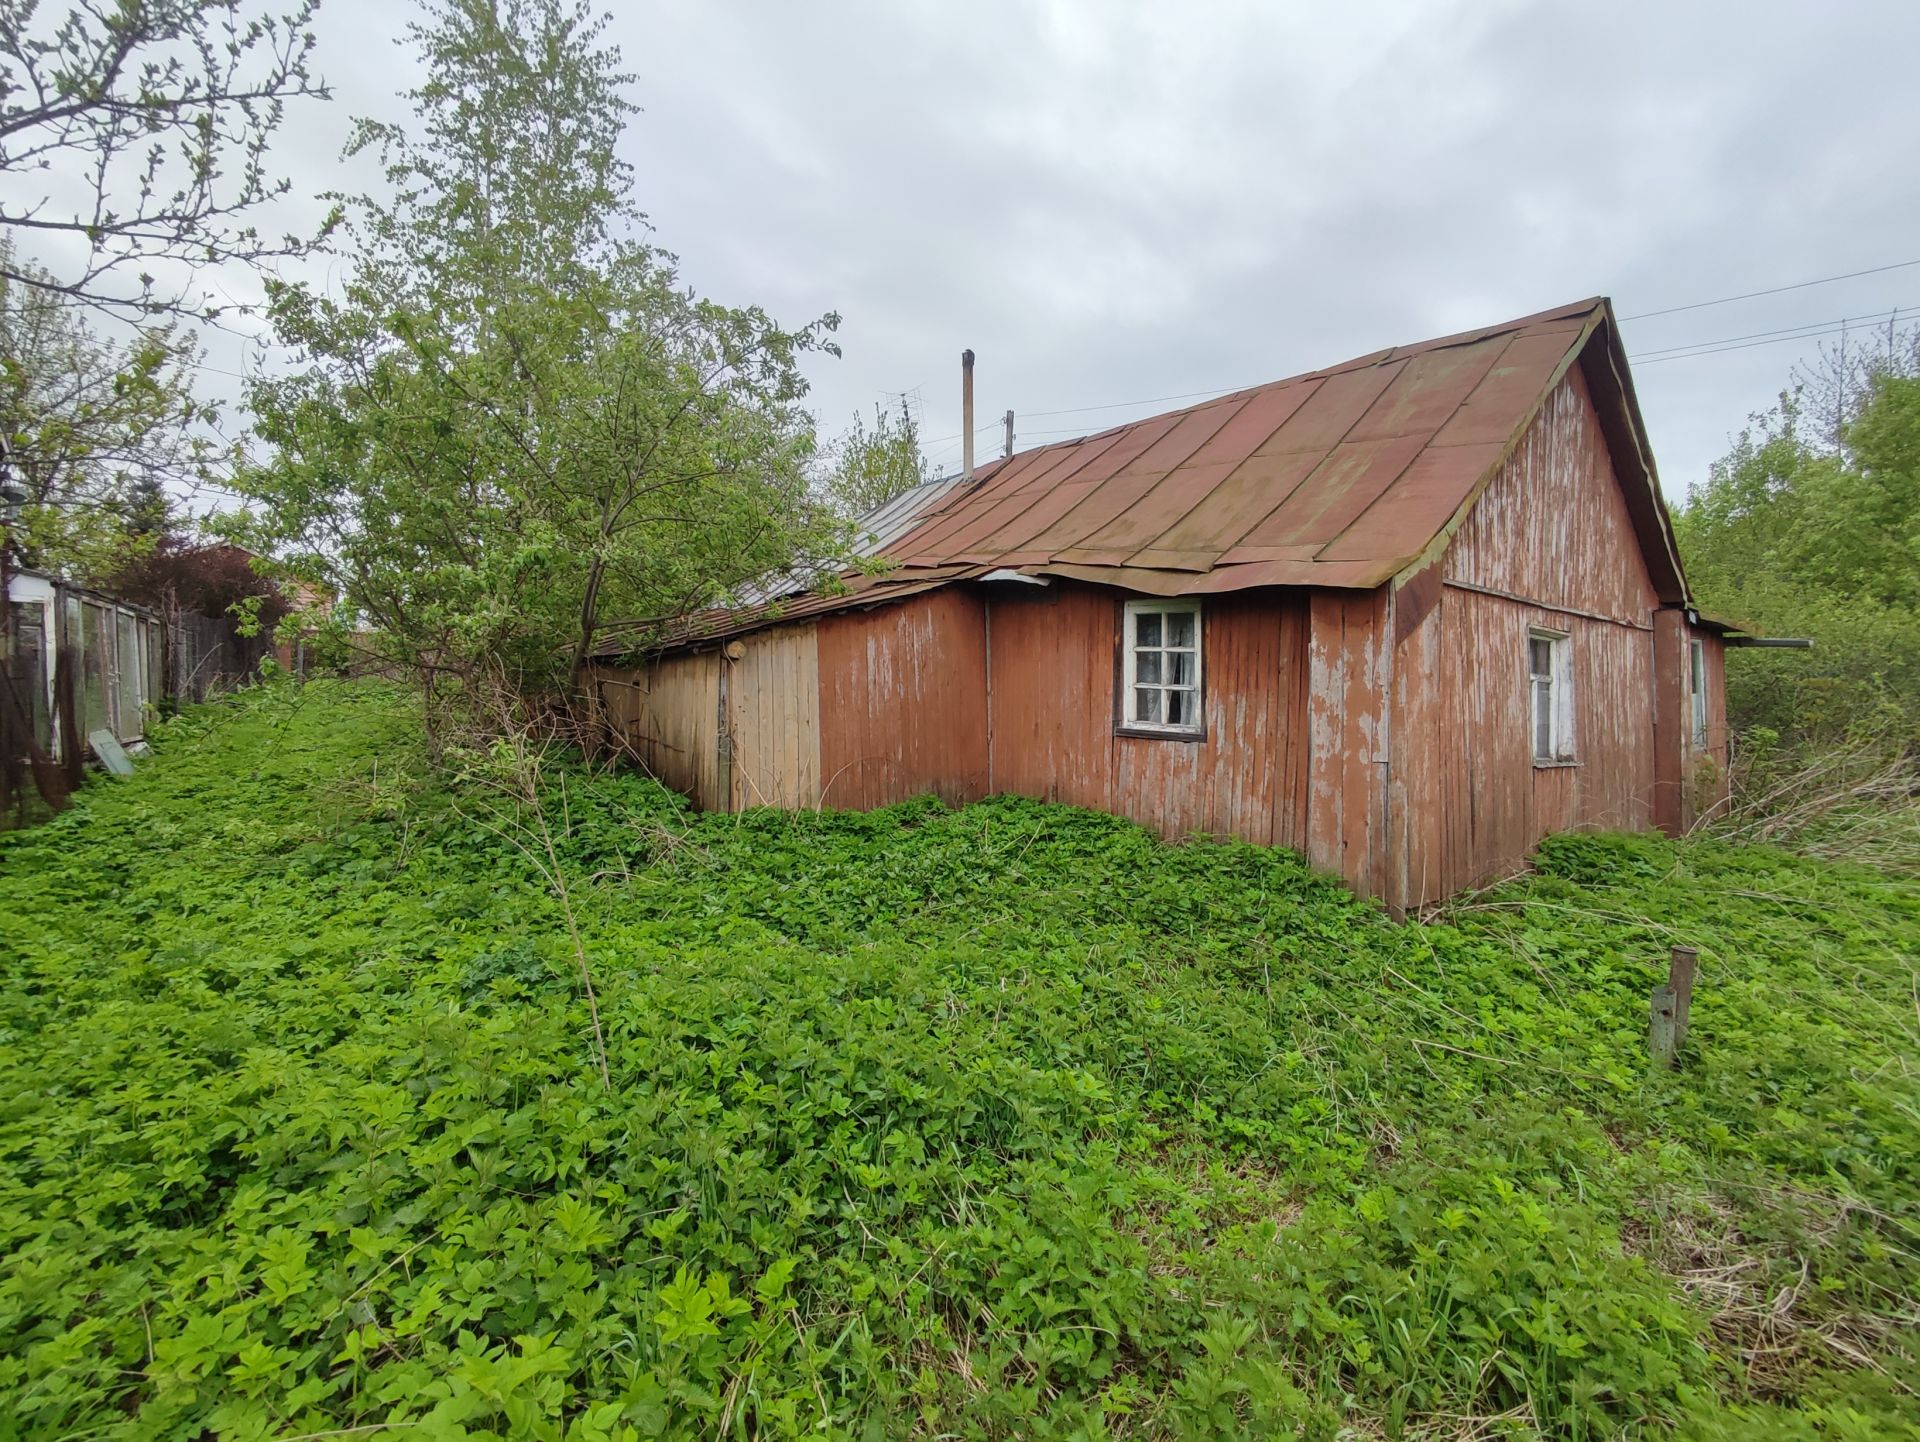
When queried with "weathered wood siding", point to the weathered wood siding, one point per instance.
{"points": [[668, 712], [773, 719], [1551, 535], [903, 702], [1053, 659], [1689, 782], [1350, 672], [1713, 771], [1553, 524]]}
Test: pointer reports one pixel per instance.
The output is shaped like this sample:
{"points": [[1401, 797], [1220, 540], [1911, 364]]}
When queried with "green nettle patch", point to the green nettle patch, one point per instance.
{"points": [[1003, 1122]]}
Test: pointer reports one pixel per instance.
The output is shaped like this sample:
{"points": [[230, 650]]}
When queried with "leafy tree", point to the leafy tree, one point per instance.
{"points": [[177, 574], [868, 468], [516, 423], [1805, 531], [95, 431], [133, 143]]}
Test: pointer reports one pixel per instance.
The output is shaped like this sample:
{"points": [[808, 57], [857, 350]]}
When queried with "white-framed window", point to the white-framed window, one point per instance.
{"points": [[1160, 667], [1550, 690], [1697, 687]]}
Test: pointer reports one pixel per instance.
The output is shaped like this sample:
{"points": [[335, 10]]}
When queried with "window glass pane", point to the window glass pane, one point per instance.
{"points": [[127, 678], [1543, 720], [1146, 705], [1180, 628], [1179, 704], [1540, 656], [94, 669], [1179, 667], [1146, 667], [1146, 628]]}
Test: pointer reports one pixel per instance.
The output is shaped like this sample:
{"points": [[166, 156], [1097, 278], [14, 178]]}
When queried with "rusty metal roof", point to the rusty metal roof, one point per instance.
{"points": [[1343, 477]]}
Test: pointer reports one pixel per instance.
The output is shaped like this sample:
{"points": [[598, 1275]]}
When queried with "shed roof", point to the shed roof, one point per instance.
{"points": [[1344, 477]]}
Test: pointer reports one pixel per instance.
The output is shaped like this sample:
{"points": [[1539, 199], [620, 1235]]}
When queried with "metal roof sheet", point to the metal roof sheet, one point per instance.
{"points": [[1343, 477]]}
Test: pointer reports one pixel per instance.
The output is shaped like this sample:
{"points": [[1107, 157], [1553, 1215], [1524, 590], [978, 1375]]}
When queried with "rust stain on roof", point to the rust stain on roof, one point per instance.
{"points": [[1343, 474], [1342, 477]]}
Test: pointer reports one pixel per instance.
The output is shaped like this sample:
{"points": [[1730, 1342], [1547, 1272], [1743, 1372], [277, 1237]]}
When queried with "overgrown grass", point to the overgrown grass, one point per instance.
{"points": [[1003, 1122]]}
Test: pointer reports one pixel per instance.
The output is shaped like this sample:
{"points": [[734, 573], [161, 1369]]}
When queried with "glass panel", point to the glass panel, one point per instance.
{"points": [[1146, 705], [132, 723], [29, 667], [1179, 708], [1543, 720], [94, 670], [1180, 667], [1146, 667], [1180, 628], [1146, 628], [1540, 656]]}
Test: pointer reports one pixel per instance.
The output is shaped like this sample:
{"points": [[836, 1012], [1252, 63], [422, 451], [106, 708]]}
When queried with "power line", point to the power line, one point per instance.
{"points": [[1749, 345], [1784, 333], [1775, 290], [1814, 330], [1122, 405]]}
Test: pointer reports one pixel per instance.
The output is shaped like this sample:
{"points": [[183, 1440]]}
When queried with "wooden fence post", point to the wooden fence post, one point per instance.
{"points": [[1680, 979], [1660, 1036]]}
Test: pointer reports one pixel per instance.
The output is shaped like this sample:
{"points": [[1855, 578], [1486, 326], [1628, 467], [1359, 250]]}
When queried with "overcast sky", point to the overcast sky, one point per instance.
{"points": [[1116, 202]]}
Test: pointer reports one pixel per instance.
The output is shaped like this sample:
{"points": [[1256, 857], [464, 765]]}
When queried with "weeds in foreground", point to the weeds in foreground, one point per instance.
{"points": [[1854, 800], [1003, 1122]]}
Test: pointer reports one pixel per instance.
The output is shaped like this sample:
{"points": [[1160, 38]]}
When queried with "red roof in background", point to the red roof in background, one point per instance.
{"points": [[1342, 477]]}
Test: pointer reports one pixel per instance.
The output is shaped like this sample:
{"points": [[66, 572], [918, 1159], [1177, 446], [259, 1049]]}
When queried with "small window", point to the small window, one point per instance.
{"points": [[1550, 689], [1698, 678], [1161, 667]]}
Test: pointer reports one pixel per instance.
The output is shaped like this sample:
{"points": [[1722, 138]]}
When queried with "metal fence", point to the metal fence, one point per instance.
{"points": [[207, 654]]}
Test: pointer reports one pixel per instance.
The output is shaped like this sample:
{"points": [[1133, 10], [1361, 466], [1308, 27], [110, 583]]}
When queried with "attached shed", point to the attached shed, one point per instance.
{"points": [[1406, 615]]}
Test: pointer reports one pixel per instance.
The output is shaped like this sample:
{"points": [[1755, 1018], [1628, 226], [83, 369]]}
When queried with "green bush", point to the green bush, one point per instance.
{"points": [[1009, 1121]]}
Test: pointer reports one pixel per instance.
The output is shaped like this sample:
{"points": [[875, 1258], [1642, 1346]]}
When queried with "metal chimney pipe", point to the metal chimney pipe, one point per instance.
{"points": [[966, 415]]}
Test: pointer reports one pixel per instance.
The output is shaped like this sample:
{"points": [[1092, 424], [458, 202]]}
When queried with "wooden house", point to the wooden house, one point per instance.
{"points": [[1406, 615]]}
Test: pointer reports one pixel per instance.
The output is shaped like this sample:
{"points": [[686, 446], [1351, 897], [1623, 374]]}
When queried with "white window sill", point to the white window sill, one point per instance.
{"points": [[1561, 765]]}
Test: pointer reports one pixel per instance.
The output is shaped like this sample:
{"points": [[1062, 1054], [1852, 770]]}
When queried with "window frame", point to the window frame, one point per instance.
{"points": [[1559, 679], [1127, 669], [1697, 691]]}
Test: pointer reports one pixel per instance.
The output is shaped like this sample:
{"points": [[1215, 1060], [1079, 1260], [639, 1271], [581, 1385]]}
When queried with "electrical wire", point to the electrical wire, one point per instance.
{"points": [[1775, 290], [1784, 333]]}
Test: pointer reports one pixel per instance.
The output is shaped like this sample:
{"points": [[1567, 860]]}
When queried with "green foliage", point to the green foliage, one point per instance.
{"points": [[94, 430], [1010, 1121], [868, 468], [155, 116], [517, 423], [1805, 539]]}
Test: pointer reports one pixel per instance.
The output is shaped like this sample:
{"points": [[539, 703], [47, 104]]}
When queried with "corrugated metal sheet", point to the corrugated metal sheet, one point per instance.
{"points": [[880, 528]]}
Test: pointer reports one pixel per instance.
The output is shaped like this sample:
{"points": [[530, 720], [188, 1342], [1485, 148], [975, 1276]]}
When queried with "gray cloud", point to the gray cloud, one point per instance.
{"points": [[1111, 201]]}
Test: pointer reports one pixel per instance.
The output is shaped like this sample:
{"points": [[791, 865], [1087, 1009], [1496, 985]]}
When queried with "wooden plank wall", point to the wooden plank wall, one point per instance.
{"points": [[1054, 738], [903, 702], [773, 719], [1553, 533], [1350, 665], [668, 710], [1709, 778]]}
